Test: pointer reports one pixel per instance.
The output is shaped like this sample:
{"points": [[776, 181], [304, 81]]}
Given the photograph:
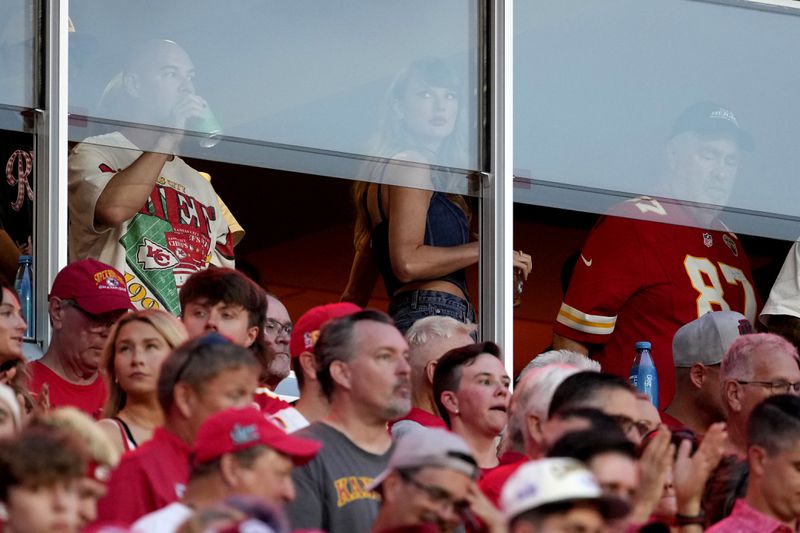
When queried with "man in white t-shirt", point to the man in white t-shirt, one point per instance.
{"points": [[132, 202]]}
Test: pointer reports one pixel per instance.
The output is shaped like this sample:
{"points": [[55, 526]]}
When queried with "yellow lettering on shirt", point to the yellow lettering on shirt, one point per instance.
{"points": [[353, 488]]}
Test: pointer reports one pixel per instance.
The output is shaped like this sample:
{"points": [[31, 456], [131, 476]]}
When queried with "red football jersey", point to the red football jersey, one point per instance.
{"points": [[641, 279]]}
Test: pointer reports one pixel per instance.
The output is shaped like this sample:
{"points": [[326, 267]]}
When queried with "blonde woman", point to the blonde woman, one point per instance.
{"points": [[136, 347], [407, 229]]}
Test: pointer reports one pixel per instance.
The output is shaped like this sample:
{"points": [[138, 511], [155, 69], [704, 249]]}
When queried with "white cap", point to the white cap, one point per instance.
{"points": [[429, 447], [555, 480], [706, 339]]}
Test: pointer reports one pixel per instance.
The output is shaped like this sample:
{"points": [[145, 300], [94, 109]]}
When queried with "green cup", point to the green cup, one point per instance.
{"points": [[207, 126]]}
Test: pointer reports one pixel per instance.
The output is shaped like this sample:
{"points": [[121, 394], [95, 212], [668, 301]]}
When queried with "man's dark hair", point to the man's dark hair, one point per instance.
{"points": [[597, 419], [447, 375], [246, 459], [537, 516], [198, 361], [299, 373], [40, 457], [587, 444], [774, 424], [214, 285], [335, 343], [583, 389]]}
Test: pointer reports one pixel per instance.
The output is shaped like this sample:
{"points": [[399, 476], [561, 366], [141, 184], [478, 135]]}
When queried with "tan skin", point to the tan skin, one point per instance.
{"points": [[414, 263], [429, 115], [168, 74], [139, 352]]}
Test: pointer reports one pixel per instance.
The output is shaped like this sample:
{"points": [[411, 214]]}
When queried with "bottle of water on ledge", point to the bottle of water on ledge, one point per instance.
{"points": [[643, 372]]}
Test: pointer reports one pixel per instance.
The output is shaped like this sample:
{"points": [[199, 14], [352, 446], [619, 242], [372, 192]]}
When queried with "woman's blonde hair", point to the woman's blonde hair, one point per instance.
{"points": [[166, 324], [75, 422]]}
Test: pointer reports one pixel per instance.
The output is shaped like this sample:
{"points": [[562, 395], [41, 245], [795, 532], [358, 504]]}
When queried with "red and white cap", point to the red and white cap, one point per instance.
{"points": [[234, 430], [306, 329], [95, 287]]}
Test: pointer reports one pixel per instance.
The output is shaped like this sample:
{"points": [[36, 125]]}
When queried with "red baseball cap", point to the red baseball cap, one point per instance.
{"points": [[233, 430], [306, 329], [96, 287]]}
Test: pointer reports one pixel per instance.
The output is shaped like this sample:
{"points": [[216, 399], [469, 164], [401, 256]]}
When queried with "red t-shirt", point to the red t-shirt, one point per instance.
{"points": [[88, 398], [671, 422], [148, 478], [642, 279], [421, 417], [493, 482]]}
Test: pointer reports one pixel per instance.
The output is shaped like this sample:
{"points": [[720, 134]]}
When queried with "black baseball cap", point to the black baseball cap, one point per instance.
{"points": [[714, 119]]}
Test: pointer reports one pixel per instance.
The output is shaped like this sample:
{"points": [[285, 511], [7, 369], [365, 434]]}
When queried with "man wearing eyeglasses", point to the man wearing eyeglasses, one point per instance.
{"points": [[755, 367], [277, 333], [86, 299], [431, 480]]}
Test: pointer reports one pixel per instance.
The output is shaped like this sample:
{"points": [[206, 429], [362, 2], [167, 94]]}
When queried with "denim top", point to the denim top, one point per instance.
{"points": [[446, 225]]}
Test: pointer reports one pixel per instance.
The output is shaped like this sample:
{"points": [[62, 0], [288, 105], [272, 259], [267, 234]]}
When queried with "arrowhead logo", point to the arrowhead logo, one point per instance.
{"points": [[587, 262], [153, 256]]}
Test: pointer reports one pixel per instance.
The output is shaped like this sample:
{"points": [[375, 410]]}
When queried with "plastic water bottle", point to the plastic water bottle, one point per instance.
{"points": [[23, 283], [643, 372]]}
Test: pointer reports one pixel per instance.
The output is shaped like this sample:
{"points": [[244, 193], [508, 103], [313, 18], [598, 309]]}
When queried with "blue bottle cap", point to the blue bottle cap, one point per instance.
{"points": [[644, 345]]}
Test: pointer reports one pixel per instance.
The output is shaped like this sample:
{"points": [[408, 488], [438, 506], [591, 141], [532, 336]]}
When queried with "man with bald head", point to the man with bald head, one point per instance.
{"points": [[133, 203]]}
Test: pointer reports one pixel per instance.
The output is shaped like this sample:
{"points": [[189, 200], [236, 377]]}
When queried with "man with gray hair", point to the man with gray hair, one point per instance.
{"points": [[362, 367], [428, 339], [697, 349], [561, 357], [773, 440], [755, 367]]}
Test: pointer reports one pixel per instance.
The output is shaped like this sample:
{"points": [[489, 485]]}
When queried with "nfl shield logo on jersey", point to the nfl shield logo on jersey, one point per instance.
{"points": [[708, 240]]}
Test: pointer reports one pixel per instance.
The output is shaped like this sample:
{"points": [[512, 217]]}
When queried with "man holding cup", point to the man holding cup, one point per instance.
{"points": [[133, 203]]}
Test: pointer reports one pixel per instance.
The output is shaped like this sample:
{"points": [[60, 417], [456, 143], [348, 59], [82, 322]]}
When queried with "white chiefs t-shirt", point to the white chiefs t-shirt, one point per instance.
{"points": [[180, 229]]}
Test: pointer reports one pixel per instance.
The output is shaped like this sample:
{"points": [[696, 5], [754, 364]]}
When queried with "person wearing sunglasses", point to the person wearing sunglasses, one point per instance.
{"points": [[86, 299]]}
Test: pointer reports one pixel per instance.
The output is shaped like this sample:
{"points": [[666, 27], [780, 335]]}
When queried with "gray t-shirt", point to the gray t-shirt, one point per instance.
{"points": [[331, 493]]}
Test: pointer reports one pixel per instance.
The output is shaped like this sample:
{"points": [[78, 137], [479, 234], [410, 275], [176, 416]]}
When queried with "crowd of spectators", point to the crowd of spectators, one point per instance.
{"points": [[137, 420], [155, 407]]}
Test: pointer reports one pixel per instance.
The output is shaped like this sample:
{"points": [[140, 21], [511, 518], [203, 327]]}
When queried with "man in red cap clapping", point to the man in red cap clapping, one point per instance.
{"points": [[86, 299]]}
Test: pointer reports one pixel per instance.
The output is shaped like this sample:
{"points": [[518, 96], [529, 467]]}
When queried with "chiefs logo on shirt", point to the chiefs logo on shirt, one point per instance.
{"points": [[152, 256]]}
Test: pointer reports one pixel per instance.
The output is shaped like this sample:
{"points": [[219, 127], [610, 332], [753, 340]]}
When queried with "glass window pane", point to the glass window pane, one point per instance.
{"points": [[17, 53], [269, 101], [602, 91], [303, 86]]}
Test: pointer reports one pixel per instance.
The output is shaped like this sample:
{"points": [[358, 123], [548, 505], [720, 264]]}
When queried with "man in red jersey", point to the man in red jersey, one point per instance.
{"points": [[87, 297], [652, 264]]}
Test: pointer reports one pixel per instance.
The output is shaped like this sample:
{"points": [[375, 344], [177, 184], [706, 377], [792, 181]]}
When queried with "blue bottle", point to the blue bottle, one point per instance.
{"points": [[643, 372], [23, 284]]}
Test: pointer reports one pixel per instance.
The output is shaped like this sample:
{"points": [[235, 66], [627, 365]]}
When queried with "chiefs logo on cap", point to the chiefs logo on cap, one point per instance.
{"points": [[108, 279]]}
